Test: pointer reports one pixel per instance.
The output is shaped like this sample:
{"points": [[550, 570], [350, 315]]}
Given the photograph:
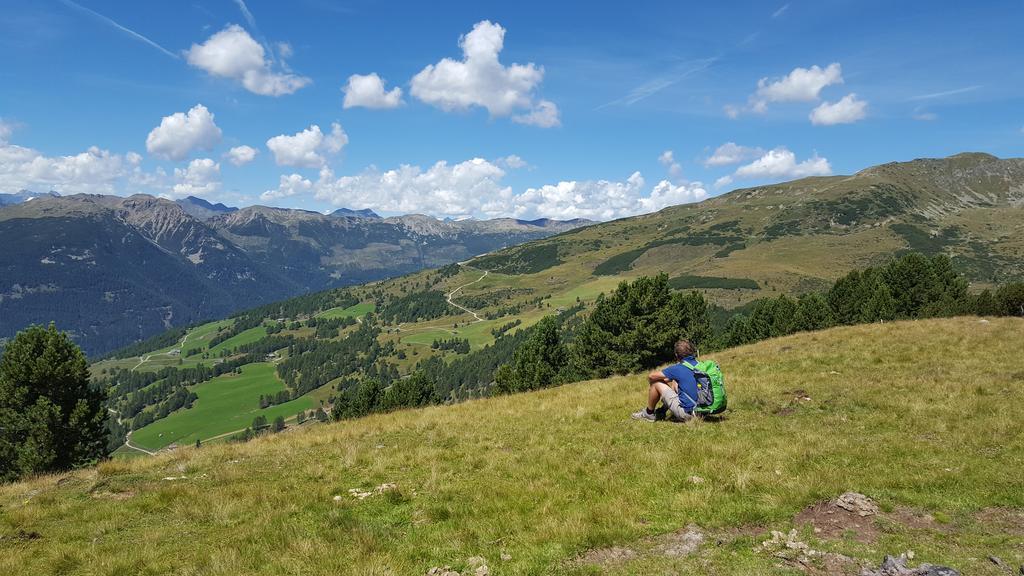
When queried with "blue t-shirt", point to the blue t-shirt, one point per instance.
{"points": [[683, 376]]}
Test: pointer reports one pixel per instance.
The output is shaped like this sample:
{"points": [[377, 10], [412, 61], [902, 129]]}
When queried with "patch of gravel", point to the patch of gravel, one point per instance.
{"points": [[897, 566], [678, 544]]}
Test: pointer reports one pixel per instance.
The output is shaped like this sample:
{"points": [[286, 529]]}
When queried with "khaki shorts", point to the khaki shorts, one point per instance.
{"points": [[670, 400]]}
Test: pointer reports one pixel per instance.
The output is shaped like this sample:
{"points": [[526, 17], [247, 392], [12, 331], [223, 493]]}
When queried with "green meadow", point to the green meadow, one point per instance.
{"points": [[226, 404]]}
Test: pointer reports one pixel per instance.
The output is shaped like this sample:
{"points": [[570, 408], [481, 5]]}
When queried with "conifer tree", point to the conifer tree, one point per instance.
{"points": [[51, 417]]}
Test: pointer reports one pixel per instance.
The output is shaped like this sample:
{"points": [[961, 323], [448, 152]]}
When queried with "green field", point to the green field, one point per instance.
{"points": [[354, 311], [226, 403], [244, 337], [561, 481]]}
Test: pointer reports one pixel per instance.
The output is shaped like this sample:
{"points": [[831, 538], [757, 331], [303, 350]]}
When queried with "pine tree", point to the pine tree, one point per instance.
{"points": [[199, 443], [813, 313], [51, 418], [536, 363], [416, 390], [278, 424], [321, 416]]}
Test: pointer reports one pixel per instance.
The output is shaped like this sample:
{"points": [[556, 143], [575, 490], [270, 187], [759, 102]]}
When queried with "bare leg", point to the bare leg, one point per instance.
{"points": [[654, 393]]}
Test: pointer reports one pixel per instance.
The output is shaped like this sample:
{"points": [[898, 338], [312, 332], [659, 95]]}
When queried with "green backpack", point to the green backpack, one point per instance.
{"points": [[710, 387]]}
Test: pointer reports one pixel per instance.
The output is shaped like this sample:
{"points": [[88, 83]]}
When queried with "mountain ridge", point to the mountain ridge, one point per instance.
{"points": [[114, 269]]}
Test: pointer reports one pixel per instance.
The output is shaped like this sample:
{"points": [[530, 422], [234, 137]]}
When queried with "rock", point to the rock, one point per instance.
{"points": [[683, 543], [696, 480], [897, 566], [446, 571], [482, 571], [505, 557], [857, 503]]}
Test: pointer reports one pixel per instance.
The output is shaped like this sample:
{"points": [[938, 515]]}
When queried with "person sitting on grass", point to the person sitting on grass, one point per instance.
{"points": [[675, 386]]}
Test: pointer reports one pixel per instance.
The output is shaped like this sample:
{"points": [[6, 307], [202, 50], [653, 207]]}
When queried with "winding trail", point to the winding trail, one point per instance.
{"points": [[128, 435], [448, 298], [144, 359], [461, 307]]}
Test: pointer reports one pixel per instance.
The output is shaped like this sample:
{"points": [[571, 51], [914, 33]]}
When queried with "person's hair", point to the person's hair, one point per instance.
{"points": [[685, 348]]}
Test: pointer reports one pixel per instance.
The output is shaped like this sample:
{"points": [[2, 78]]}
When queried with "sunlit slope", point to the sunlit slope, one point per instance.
{"points": [[798, 236], [923, 417]]}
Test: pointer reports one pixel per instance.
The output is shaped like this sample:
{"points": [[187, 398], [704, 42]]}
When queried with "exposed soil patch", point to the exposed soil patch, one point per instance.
{"points": [[1003, 520], [851, 514], [607, 556], [678, 544], [914, 519], [21, 536]]}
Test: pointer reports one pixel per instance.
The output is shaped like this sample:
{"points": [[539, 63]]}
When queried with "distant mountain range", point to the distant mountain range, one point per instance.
{"points": [[114, 270], [23, 196]]}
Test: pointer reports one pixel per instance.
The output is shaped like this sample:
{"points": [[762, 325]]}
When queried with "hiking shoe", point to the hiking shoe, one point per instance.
{"points": [[644, 415]]}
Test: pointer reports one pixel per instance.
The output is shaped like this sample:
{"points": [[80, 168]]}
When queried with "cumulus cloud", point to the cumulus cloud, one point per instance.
{"points": [[94, 171], [232, 53], [847, 110], [368, 91], [461, 189], [781, 163], [512, 161], [800, 85], [668, 160], [476, 188], [181, 133], [307, 149], [480, 79], [200, 178], [289, 185], [241, 155], [544, 115], [732, 153]]}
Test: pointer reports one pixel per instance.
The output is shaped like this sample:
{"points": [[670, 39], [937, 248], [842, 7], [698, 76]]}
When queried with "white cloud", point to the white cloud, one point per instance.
{"points": [[723, 181], [200, 178], [461, 189], [544, 115], [732, 153], [241, 155], [180, 133], [368, 91], [847, 110], [233, 53], [800, 85], [512, 162], [94, 171], [603, 199], [923, 115], [480, 79], [476, 188], [780, 163], [288, 186], [668, 160], [731, 110], [307, 149]]}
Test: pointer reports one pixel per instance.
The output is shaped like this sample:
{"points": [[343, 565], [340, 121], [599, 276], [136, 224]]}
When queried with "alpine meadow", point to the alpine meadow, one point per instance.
{"points": [[533, 289]]}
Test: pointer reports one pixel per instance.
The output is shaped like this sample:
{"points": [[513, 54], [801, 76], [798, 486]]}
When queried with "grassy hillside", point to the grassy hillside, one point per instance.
{"points": [[923, 417], [797, 236]]}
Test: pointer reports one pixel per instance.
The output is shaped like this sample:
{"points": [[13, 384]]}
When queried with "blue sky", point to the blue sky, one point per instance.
{"points": [[541, 109]]}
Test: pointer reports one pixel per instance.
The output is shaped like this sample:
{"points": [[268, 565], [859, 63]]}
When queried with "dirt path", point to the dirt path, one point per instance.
{"points": [[448, 297], [461, 307], [144, 359], [128, 435]]}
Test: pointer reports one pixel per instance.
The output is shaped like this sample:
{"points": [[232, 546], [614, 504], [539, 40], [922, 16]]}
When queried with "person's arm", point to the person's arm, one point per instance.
{"points": [[659, 376]]}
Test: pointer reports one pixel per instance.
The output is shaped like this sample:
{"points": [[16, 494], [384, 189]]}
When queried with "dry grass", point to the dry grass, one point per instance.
{"points": [[924, 415]]}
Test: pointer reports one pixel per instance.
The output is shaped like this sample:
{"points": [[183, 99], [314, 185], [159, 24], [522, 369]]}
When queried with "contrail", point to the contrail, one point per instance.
{"points": [[251, 21], [942, 94], [128, 31]]}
